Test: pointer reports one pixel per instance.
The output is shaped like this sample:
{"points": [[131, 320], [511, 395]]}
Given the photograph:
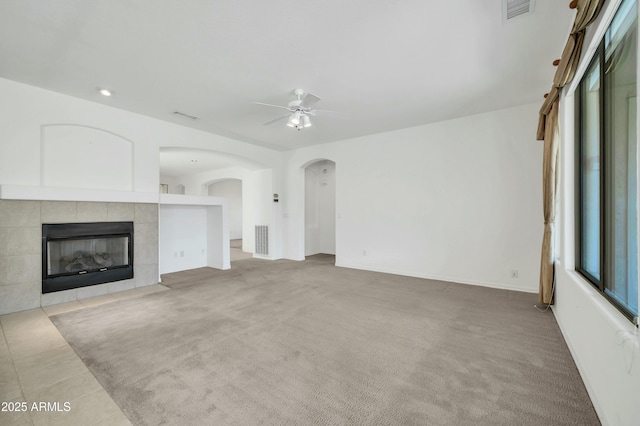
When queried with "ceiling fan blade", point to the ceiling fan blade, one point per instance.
{"points": [[276, 119], [328, 113], [309, 100], [322, 111], [271, 105]]}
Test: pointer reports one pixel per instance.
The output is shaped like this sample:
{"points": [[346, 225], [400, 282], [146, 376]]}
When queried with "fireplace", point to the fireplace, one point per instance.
{"points": [[82, 254]]}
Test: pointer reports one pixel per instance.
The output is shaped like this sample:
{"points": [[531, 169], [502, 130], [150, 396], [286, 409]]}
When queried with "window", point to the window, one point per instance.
{"points": [[607, 169]]}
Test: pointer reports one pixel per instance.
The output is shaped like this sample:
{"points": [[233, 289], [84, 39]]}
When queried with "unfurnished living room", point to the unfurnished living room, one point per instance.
{"points": [[219, 212]]}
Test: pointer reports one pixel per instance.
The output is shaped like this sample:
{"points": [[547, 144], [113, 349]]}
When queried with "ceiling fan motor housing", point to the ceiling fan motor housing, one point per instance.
{"points": [[295, 105]]}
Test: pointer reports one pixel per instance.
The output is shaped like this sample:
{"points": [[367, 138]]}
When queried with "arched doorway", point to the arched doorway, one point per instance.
{"points": [[320, 208]]}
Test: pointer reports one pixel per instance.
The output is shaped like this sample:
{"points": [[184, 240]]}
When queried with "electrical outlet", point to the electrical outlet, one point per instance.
{"points": [[364, 252], [514, 273]]}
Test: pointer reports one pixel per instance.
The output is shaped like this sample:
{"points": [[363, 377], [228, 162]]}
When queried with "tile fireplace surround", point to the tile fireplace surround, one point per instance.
{"points": [[21, 248]]}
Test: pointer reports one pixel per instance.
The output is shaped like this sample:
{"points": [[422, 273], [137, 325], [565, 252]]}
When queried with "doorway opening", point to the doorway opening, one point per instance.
{"points": [[231, 189], [320, 208]]}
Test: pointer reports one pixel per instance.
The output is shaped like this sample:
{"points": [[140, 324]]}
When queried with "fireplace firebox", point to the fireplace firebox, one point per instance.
{"points": [[82, 254]]}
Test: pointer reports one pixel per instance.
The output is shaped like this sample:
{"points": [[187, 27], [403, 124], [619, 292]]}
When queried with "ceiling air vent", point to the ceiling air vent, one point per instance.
{"points": [[183, 115], [513, 8]]}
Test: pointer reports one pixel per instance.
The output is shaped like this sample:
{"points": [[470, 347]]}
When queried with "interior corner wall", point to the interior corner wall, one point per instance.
{"points": [[458, 200]]}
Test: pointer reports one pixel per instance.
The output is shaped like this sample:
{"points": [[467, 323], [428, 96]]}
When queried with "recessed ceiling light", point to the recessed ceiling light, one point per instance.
{"points": [[105, 92]]}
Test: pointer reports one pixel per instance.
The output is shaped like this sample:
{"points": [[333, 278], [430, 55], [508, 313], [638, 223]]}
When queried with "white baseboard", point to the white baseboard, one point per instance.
{"points": [[500, 286]]}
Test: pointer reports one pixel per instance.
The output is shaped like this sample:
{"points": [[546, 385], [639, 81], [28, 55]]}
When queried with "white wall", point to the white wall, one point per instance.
{"points": [[231, 189], [604, 344], [75, 156], [320, 208], [183, 238], [458, 200], [265, 210]]}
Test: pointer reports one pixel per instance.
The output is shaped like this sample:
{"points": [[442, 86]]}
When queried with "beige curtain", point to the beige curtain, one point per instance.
{"points": [[552, 98], [549, 190], [569, 60], [587, 12]]}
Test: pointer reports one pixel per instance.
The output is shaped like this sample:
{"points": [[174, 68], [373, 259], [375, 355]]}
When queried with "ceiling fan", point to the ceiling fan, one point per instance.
{"points": [[300, 109]]}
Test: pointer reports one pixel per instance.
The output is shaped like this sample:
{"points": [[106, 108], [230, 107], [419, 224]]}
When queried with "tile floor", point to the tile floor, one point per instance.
{"points": [[38, 366]]}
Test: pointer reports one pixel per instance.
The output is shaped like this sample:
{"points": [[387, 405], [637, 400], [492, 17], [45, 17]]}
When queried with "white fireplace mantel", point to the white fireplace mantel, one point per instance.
{"points": [[48, 193]]}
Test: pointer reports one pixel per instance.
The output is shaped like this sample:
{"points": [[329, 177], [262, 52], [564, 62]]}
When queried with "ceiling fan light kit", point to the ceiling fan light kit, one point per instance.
{"points": [[296, 123], [296, 117]]}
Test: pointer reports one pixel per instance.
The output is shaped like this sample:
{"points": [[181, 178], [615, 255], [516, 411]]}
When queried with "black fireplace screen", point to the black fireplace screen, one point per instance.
{"points": [[90, 254], [82, 254]]}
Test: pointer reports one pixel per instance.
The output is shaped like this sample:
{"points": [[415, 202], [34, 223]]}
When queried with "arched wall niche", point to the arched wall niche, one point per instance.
{"points": [[79, 156]]}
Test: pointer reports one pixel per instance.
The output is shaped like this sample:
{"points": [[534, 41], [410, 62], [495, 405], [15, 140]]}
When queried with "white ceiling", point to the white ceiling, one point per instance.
{"points": [[385, 64]]}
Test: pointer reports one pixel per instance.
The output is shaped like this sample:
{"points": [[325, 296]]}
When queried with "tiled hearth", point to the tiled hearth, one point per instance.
{"points": [[20, 248]]}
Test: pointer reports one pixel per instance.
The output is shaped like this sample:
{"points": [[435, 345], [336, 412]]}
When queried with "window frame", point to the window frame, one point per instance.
{"points": [[606, 165], [579, 192]]}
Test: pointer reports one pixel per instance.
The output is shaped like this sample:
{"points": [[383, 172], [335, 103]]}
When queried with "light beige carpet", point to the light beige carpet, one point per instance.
{"points": [[236, 253], [306, 343]]}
